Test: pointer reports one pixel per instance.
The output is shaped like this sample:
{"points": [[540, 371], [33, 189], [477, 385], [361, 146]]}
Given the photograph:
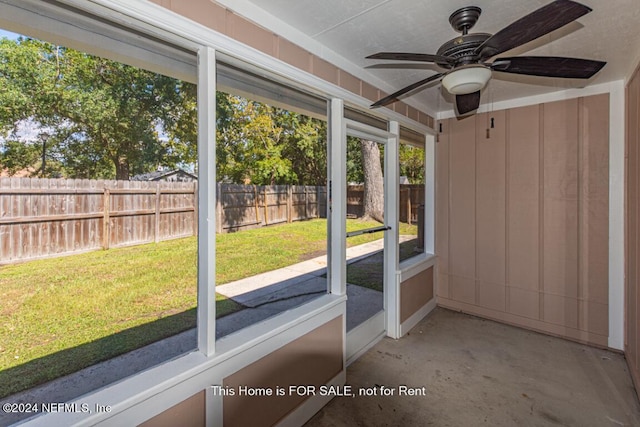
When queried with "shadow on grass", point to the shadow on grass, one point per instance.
{"points": [[56, 365], [64, 362]]}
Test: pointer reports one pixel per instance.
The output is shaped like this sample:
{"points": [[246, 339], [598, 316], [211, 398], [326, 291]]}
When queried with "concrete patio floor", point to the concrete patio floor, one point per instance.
{"points": [[478, 372]]}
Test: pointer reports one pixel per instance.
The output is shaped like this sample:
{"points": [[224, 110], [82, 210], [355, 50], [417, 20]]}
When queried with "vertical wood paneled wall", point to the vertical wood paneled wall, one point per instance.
{"points": [[522, 216], [632, 234]]}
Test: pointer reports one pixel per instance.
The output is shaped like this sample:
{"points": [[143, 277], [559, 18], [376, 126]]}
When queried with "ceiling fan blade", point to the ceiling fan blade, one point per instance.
{"points": [[536, 24], [422, 57], [467, 103], [549, 66], [394, 96]]}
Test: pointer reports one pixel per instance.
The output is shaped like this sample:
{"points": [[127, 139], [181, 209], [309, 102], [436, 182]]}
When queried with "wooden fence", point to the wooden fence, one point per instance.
{"points": [[42, 218], [250, 206], [411, 197]]}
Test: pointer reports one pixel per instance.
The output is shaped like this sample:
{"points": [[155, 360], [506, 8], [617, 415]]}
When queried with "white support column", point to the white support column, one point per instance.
{"points": [[391, 214], [337, 199], [206, 200], [430, 195], [616, 214]]}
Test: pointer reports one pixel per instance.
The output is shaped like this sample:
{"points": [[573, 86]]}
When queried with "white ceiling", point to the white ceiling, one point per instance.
{"points": [[345, 31]]}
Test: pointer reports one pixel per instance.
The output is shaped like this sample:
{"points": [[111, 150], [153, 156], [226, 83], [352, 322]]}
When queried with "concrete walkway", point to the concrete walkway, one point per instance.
{"points": [[264, 295], [273, 292], [262, 288]]}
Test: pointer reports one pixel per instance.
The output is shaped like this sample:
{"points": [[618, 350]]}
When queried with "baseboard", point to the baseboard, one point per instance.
{"points": [[416, 317]]}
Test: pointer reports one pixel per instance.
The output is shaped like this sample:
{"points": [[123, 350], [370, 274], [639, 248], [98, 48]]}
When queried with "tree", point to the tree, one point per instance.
{"points": [[266, 145], [373, 181], [412, 163], [250, 143], [89, 117], [355, 173], [104, 119], [14, 155], [305, 145]]}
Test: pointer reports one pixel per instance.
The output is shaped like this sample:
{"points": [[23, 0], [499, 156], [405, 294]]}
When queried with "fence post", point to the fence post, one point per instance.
{"points": [[306, 202], [219, 208], [156, 233], [409, 217], [289, 203], [195, 208], [266, 207], [106, 226], [256, 203]]}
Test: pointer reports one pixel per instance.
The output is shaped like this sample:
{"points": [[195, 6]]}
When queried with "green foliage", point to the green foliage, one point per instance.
{"points": [[412, 163], [265, 145], [305, 145], [99, 118], [355, 170], [15, 155], [89, 117]]}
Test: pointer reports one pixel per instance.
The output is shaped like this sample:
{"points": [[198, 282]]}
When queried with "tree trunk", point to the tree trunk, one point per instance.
{"points": [[373, 181], [43, 171], [122, 169]]}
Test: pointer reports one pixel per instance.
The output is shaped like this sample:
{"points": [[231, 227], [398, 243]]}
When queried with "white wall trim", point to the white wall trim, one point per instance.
{"points": [[206, 308], [418, 316], [430, 195], [411, 270], [541, 99], [364, 336], [337, 199], [391, 218], [617, 115], [283, 29], [416, 260]]}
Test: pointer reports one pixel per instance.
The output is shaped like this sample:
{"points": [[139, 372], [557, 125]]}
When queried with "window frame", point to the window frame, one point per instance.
{"points": [[428, 255], [172, 381]]}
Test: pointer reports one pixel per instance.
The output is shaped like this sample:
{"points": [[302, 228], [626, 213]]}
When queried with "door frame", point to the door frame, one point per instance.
{"points": [[386, 322]]}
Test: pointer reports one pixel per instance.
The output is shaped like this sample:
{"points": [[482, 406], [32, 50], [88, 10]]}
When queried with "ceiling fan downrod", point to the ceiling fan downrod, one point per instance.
{"points": [[463, 19]]}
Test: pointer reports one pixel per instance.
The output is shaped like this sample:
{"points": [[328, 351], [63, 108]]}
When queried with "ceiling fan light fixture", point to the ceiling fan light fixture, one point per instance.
{"points": [[466, 80]]}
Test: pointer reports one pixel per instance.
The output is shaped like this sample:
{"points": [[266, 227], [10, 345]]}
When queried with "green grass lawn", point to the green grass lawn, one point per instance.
{"points": [[369, 272], [63, 314]]}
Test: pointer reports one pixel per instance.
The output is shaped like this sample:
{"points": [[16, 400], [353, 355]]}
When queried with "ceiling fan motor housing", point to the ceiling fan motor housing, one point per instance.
{"points": [[462, 49]]}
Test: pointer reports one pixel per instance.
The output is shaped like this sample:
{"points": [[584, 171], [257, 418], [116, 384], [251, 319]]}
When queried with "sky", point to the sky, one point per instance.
{"points": [[8, 34]]}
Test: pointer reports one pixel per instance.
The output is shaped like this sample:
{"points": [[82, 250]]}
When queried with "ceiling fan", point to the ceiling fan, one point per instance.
{"points": [[464, 57]]}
